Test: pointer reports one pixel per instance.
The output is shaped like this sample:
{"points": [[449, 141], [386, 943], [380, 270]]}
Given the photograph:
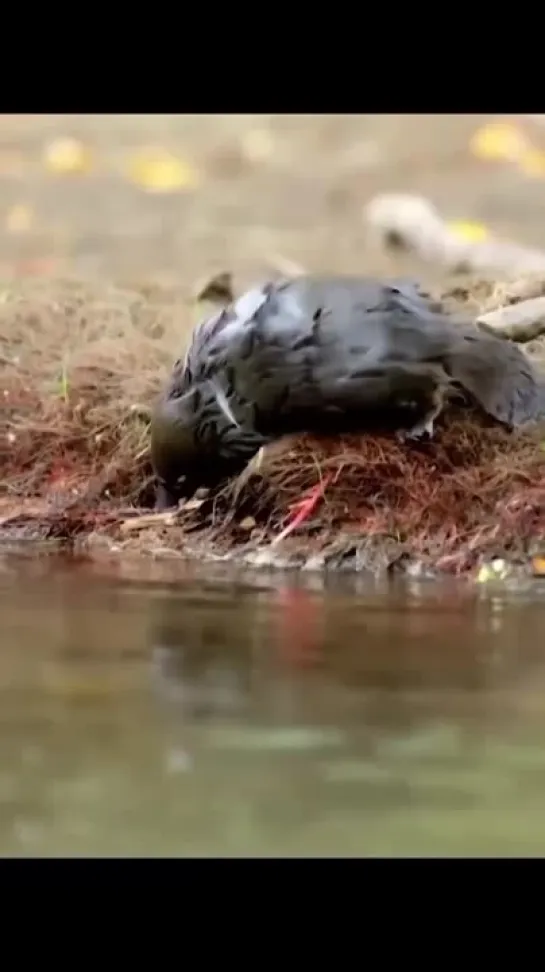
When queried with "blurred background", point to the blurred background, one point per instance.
{"points": [[170, 197]]}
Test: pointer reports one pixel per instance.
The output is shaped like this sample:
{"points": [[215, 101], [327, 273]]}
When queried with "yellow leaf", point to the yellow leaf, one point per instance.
{"points": [[66, 155], [157, 170], [484, 574], [498, 141], [532, 163], [468, 231], [19, 218], [497, 569], [538, 566], [248, 523]]}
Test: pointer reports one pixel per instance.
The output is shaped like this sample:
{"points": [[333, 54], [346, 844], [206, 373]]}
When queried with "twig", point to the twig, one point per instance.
{"points": [[168, 518], [414, 224]]}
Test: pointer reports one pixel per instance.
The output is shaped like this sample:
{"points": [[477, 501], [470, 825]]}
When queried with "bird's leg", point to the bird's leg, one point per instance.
{"points": [[418, 431], [421, 428]]}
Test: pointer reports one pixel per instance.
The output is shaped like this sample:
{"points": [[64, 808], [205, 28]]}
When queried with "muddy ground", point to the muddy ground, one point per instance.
{"points": [[263, 190]]}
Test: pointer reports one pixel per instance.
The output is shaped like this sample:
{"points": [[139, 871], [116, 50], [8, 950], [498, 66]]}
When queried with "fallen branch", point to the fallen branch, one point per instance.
{"points": [[519, 322], [412, 223]]}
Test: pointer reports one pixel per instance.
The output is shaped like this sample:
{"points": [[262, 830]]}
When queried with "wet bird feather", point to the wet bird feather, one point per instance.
{"points": [[328, 354]]}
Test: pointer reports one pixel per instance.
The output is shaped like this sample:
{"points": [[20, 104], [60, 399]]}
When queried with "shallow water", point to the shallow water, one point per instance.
{"points": [[266, 715]]}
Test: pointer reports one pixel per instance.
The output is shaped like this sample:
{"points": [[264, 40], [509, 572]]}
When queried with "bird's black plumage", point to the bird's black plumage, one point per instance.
{"points": [[325, 355]]}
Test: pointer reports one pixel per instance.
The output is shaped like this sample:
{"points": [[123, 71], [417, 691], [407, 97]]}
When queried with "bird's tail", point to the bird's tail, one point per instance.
{"points": [[498, 375]]}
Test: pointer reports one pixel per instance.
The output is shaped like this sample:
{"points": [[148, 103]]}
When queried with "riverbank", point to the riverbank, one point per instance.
{"points": [[81, 365]]}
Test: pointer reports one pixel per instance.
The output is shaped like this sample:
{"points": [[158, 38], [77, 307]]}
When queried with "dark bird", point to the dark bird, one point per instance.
{"points": [[326, 356]]}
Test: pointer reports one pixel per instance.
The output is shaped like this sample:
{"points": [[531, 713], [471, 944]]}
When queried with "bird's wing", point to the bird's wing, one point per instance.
{"points": [[294, 344], [398, 323], [291, 344]]}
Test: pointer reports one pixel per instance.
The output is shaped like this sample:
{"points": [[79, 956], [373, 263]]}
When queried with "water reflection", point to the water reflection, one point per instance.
{"points": [[251, 714]]}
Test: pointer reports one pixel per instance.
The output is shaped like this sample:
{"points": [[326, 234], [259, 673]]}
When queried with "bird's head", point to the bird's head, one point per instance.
{"points": [[183, 458]]}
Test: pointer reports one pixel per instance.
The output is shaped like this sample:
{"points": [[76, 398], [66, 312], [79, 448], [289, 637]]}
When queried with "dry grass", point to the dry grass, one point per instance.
{"points": [[81, 365], [474, 491]]}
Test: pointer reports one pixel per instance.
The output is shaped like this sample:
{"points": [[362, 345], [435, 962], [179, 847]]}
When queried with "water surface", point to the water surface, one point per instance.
{"points": [[239, 714]]}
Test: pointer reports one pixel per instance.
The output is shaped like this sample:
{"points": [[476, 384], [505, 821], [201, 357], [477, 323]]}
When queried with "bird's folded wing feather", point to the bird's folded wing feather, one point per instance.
{"points": [[301, 343]]}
